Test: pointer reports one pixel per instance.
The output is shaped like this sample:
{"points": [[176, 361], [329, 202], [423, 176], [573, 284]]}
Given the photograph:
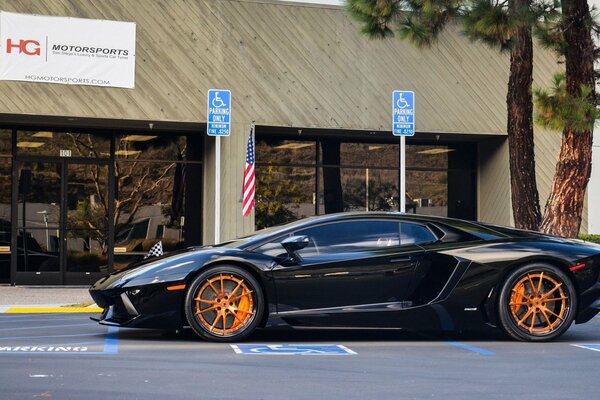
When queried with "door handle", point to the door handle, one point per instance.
{"points": [[397, 260]]}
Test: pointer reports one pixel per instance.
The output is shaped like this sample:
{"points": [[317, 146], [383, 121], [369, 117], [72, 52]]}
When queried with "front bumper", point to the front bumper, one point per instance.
{"points": [[149, 306]]}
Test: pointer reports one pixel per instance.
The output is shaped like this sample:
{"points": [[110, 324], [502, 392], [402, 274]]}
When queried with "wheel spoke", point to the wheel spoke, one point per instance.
{"points": [[554, 289], [553, 313], [202, 311], [530, 283], [533, 317], [214, 323], [213, 287], [237, 287], [224, 316], [555, 299], [539, 288], [205, 300], [518, 303], [550, 325], [529, 311], [222, 284], [241, 295]]}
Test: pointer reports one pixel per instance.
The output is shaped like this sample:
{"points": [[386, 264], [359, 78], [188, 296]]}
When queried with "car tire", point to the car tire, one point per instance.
{"points": [[537, 303], [224, 304]]}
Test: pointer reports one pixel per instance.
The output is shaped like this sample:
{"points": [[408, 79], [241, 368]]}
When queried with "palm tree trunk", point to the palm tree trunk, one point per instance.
{"points": [[525, 198], [565, 203]]}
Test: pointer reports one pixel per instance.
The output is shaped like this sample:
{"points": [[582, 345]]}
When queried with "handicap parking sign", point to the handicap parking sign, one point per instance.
{"points": [[403, 108], [293, 349], [218, 112]]}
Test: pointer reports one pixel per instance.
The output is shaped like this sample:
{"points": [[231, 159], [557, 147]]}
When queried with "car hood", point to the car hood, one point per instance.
{"points": [[169, 268]]}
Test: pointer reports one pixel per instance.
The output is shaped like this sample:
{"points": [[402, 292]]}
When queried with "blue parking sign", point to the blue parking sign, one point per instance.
{"points": [[403, 108], [218, 112]]}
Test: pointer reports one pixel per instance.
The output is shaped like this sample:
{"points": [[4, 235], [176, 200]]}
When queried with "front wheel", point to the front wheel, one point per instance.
{"points": [[224, 304], [537, 303]]}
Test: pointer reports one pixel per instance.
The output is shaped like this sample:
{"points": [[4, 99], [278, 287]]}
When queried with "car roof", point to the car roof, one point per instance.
{"points": [[475, 229]]}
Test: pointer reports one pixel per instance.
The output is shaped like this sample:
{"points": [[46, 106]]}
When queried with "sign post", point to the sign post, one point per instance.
{"points": [[403, 124], [218, 124]]}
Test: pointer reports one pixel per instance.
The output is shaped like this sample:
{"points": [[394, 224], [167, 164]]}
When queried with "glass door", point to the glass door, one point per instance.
{"points": [[86, 210], [62, 225], [38, 223]]}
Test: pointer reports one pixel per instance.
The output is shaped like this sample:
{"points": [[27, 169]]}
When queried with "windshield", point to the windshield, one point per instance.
{"points": [[260, 234]]}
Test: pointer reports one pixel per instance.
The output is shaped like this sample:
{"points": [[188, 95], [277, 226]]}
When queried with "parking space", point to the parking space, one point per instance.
{"points": [[69, 356]]}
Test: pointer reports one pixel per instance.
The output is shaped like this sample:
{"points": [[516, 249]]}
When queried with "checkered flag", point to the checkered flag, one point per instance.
{"points": [[155, 251]]}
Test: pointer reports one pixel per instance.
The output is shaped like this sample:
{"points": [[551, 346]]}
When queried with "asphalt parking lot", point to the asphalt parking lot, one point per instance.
{"points": [[68, 356]]}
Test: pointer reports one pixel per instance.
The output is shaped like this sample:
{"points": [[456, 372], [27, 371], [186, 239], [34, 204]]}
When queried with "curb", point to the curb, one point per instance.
{"points": [[48, 309]]}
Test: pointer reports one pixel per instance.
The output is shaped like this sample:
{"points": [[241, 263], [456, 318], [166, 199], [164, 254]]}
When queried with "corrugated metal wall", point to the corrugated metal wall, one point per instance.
{"points": [[287, 65]]}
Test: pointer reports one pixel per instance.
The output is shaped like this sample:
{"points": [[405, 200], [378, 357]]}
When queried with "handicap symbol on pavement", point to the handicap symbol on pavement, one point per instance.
{"points": [[292, 349]]}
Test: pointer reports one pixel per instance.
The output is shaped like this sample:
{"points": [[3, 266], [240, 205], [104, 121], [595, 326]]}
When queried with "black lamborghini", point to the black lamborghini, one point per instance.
{"points": [[363, 270]]}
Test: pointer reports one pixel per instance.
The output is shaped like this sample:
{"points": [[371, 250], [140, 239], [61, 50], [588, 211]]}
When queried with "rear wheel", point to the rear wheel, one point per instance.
{"points": [[537, 303], [224, 304]]}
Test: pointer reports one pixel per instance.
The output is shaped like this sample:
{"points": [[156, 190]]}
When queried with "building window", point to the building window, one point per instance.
{"points": [[299, 178], [155, 178]]}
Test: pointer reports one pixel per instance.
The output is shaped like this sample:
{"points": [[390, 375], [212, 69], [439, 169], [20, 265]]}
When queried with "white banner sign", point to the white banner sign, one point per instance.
{"points": [[71, 51]]}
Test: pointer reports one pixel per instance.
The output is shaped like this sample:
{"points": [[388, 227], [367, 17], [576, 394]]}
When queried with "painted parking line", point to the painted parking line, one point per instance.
{"points": [[474, 349], [293, 349], [460, 345], [84, 339], [593, 347]]}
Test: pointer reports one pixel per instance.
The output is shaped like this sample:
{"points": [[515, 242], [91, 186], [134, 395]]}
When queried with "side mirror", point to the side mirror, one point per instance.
{"points": [[293, 244]]}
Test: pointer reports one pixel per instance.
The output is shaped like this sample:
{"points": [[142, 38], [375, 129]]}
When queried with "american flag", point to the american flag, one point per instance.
{"points": [[248, 191]]}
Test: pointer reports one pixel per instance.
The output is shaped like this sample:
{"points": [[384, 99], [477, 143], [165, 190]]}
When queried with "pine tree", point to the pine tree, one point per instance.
{"points": [[570, 106]]}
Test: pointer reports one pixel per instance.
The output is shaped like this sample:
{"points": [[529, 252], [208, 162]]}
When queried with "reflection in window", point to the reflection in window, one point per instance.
{"points": [[5, 217], [149, 208], [427, 192], [46, 143], [285, 151], [151, 147], [354, 176], [283, 194], [349, 237], [5, 142]]}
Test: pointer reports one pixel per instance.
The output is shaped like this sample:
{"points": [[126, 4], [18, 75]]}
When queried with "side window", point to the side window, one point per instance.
{"points": [[415, 234], [351, 236]]}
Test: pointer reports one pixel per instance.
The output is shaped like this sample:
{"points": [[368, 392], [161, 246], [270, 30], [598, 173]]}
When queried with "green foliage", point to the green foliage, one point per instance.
{"points": [[559, 110], [86, 221], [490, 23], [376, 16], [275, 199], [549, 32], [590, 238]]}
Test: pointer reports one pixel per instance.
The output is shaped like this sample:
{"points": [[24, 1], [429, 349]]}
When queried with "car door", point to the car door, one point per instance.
{"points": [[350, 266]]}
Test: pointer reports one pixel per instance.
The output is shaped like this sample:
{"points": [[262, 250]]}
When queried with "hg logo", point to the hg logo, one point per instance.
{"points": [[29, 47]]}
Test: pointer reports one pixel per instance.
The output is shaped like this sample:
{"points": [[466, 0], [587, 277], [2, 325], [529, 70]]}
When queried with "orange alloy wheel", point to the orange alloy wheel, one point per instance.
{"points": [[224, 304], [538, 303]]}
